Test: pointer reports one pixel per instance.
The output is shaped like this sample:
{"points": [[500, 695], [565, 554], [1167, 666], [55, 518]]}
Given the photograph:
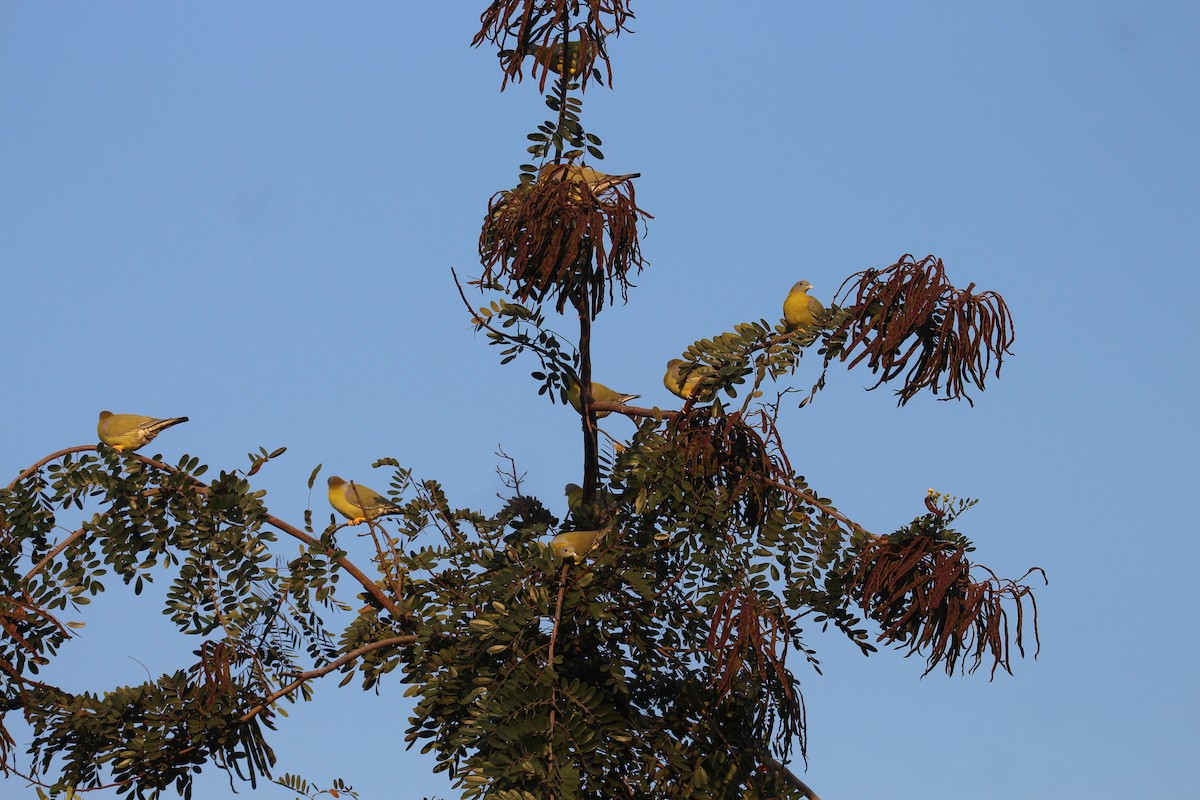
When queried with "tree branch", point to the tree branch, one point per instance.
{"points": [[541, 352], [811, 499], [58, 548], [793, 779], [634, 411], [562, 590], [302, 677], [291, 530], [369, 585], [44, 461]]}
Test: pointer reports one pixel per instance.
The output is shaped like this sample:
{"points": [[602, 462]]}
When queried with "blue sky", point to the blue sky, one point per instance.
{"points": [[247, 213]]}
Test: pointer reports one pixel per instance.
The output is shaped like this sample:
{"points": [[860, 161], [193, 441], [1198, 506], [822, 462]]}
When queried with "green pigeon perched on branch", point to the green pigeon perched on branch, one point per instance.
{"points": [[596, 180], [800, 310], [574, 544], [574, 493], [358, 503], [693, 386], [550, 56], [128, 432], [600, 393]]}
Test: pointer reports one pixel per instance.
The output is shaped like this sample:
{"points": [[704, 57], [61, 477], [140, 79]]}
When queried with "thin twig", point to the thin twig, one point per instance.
{"points": [[387, 564], [483, 323], [303, 677]]}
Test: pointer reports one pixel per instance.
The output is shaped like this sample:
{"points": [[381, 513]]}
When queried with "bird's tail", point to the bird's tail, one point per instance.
{"points": [[163, 424], [613, 180]]}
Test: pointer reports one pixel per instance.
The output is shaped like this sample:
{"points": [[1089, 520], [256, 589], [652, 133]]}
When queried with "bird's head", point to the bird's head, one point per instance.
{"points": [[802, 286], [105, 415], [335, 481]]}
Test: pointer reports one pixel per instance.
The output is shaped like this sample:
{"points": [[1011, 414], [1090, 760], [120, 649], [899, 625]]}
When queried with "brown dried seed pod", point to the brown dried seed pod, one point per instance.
{"points": [[908, 319], [524, 25], [749, 637], [725, 456], [563, 241], [921, 592]]}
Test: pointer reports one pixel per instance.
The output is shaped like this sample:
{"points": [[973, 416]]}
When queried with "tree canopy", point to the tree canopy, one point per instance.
{"points": [[660, 658]]}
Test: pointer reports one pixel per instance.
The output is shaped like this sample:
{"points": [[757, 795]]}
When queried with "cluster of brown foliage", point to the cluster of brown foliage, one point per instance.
{"points": [[560, 240], [955, 334], [214, 674], [13, 613], [521, 26], [722, 453], [921, 592], [748, 634], [12, 617], [743, 629], [25, 624]]}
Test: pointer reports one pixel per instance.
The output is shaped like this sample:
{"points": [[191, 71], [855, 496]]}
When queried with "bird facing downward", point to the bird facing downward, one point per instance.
{"points": [[574, 544], [357, 503], [800, 310], [127, 432], [693, 387]]}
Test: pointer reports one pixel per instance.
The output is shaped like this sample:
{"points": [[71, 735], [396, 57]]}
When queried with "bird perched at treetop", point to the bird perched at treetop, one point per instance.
{"points": [[574, 493], [600, 393], [799, 309], [357, 503], [127, 432], [550, 56], [597, 181], [574, 544], [693, 387]]}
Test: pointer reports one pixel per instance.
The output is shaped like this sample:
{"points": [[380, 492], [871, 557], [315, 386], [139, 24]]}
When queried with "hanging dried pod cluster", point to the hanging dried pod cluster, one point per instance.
{"points": [[722, 455], [749, 637], [562, 240], [920, 590], [742, 631], [23, 623], [954, 334], [20, 652], [575, 59], [538, 28], [213, 676]]}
